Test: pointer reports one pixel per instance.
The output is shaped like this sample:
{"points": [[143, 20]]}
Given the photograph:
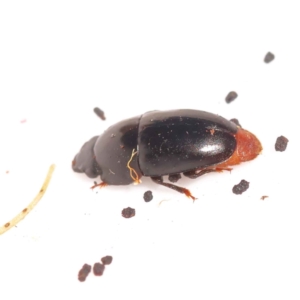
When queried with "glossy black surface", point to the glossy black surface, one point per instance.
{"points": [[183, 140], [113, 150]]}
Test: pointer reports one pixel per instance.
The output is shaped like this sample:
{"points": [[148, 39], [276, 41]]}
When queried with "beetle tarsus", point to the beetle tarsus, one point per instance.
{"points": [[101, 185], [159, 180]]}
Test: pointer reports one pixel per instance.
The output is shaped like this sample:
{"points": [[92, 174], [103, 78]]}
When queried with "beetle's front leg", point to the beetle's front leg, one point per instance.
{"points": [[159, 180], [101, 185]]}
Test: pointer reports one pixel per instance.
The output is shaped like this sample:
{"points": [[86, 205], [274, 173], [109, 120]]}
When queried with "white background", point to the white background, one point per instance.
{"points": [[60, 59]]}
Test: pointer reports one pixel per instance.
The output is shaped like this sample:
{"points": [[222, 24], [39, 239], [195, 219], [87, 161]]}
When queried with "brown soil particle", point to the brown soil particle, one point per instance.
{"points": [[98, 269], [84, 272], [281, 143], [269, 57], [99, 113], [231, 97], [128, 212], [106, 260], [148, 196], [241, 187]]}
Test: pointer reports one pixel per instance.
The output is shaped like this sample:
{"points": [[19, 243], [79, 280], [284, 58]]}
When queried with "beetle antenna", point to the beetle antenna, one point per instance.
{"points": [[133, 173]]}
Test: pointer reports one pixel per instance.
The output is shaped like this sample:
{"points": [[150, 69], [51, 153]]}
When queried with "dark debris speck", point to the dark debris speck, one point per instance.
{"points": [[269, 57], [148, 196], [240, 188], [107, 260], [281, 143], [128, 212], [84, 272], [231, 97], [99, 113], [98, 269]]}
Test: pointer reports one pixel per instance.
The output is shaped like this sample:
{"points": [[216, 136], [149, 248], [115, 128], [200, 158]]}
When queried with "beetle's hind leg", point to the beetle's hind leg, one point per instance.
{"points": [[159, 180], [197, 173]]}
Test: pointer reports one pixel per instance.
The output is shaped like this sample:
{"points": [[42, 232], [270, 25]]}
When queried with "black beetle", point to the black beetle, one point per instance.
{"points": [[160, 143]]}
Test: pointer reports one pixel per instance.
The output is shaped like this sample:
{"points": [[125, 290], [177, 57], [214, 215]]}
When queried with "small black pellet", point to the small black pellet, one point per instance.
{"points": [[241, 187], [281, 143], [128, 212], [84, 272], [106, 260], [231, 97], [98, 269], [148, 196], [99, 113], [269, 57]]}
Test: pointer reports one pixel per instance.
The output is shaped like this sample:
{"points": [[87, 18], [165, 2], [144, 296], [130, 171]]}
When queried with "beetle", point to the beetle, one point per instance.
{"points": [[160, 143]]}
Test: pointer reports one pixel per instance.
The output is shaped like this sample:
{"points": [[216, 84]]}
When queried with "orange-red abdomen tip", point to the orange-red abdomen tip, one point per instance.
{"points": [[248, 147]]}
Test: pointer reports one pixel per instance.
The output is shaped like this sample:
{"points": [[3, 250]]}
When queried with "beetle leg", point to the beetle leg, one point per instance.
{"points": [[101, 185], [197, 173], [194, 174], [159, 180]]}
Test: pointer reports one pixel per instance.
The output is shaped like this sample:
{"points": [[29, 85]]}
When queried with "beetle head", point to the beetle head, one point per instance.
{"points": [[85, 162]]}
